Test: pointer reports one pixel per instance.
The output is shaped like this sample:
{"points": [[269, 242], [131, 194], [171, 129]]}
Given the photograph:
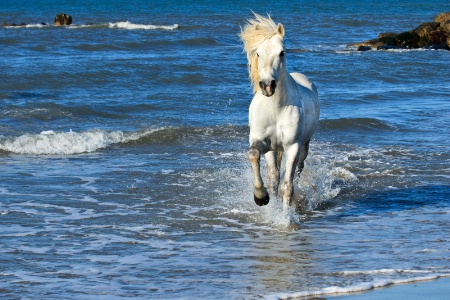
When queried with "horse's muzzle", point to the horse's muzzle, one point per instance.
{"points": [[268, 88]]}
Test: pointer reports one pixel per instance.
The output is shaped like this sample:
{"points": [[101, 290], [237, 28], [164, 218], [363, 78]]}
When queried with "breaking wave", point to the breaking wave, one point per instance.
{"points": [[65, 143], [129, 25], [360, 287], [365, 124], [115, 25]]}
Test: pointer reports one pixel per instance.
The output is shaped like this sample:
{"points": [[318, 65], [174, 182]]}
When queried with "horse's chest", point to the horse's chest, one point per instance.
{"points": [[278, 128]]}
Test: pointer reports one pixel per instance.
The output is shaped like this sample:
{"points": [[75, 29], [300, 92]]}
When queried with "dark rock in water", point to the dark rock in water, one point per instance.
{"points": [[388, 47], [429, 35], [408, 40], [63, 19], [446, 26], [387, 39], [364, 48], [443, 18], [426, 28], [13, 24], [439, 37], [21, 24]]}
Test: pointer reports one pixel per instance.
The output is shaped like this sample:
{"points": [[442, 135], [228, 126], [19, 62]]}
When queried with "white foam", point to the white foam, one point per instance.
{"points": [[317, 181], [132, 26], [47, 132], [120, 25], [167, 171], [354, 288], [65, 143], [385, 272], [320, 181], [82, 26], [36, 25]]}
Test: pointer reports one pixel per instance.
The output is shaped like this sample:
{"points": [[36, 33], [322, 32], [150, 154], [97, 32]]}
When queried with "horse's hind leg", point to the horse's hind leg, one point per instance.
{"points": [[303, 154], [273, 171], [261, 195]]}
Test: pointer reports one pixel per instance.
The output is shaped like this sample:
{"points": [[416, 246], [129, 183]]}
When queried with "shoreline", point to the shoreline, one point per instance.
{"points": [[436, 289]]}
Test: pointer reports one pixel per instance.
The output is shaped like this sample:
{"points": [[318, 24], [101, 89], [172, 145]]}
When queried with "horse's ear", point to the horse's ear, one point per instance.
{"points": [[280, 30], [257, 27]]}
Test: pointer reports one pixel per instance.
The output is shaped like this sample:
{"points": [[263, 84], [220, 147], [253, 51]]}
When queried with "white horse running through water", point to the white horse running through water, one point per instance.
{"points": [[284, 112]]}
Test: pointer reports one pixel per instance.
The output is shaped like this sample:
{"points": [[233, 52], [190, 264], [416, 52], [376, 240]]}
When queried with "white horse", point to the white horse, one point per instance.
{"points": [[284, 112]]}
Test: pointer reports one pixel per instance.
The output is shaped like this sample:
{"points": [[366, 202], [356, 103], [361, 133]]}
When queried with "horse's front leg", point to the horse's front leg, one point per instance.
{"points": [[273, 170], [261, 195], [287, 188]]}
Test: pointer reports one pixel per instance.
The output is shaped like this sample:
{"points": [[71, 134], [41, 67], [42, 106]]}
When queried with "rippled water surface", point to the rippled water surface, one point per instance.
{"points": [[123, 170]]}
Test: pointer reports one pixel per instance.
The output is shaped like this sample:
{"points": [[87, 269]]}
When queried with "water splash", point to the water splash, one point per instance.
{"points": [[322, 180]]}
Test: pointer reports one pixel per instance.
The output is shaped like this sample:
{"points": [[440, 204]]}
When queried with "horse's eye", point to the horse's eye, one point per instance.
{"points": [[281, 53], [257, 54]]}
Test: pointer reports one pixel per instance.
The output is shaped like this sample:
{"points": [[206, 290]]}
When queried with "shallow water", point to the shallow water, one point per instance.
{"points": [[123, 166]]}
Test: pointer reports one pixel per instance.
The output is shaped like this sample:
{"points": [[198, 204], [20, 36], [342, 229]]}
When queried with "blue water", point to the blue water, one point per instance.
{"points": [[123, 170]]}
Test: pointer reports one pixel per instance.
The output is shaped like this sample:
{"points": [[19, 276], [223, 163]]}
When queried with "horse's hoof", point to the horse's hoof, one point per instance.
{"points": [[262, 201]]}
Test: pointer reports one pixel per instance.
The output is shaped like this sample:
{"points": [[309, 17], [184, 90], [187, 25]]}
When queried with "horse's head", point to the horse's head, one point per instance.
{"points": [[270, 61], [263, 42]]}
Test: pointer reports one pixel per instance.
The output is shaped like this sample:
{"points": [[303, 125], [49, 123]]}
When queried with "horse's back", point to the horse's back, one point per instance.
{"points": [[310, 103], [305, 82]]}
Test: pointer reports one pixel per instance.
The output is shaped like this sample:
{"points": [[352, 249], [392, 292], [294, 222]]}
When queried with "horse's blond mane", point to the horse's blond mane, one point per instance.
{"points": [[256, 31]]}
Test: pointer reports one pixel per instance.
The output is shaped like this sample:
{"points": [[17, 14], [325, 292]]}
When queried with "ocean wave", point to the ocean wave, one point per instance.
{"points": [[132, 26], [23, 25], [384, 272], [355, 123], [115, 25], [355, 288], [66, 143], [352, 49], [40, 25]]}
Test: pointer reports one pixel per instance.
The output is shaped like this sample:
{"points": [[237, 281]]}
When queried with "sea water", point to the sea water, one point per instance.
{"points": [[123, 170]]}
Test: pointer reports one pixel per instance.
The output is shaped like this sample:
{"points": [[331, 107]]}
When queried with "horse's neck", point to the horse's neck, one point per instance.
{"points": [[283, 90]]}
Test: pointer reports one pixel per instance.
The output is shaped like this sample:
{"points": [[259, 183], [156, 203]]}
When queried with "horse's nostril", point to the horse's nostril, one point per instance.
{"points": [[273, 84]]}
